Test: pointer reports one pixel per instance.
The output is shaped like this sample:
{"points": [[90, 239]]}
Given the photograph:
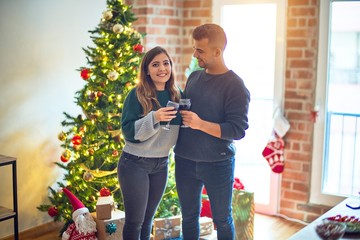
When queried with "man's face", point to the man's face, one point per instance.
{"points": [[203, 52]]}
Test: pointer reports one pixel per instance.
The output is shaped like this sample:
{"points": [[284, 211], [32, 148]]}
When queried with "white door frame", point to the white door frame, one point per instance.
{"points": [[275, 179]]}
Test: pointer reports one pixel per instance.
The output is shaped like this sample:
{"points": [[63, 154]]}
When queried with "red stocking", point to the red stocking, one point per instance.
{"points": [[274, 154]]}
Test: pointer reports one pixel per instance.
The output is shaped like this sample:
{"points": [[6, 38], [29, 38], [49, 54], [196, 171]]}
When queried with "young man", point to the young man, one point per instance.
{"points": [[204, 152]]}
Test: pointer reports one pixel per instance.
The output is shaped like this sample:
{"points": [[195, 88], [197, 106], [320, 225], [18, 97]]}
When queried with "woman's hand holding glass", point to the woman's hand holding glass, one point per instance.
{"points": [[166, 114]]}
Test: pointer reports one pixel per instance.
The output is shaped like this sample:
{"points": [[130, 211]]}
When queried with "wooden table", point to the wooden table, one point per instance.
{"points": [[309, 231]]}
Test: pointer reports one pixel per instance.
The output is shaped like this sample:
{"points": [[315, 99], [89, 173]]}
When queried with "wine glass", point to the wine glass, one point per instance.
{"points": [[171, 104], [184, 105]]}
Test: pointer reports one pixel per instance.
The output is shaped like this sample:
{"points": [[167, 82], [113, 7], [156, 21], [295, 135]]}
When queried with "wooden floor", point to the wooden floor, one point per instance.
{"points": [[265, 228], [274, 228]]}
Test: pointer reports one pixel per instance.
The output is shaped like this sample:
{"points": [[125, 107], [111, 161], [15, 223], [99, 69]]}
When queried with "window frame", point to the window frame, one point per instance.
{"points": [[279, 81], [316, 195]]}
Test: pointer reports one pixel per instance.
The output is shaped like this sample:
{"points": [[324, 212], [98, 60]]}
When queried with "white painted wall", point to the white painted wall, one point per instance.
{"points": [[40, 49]]}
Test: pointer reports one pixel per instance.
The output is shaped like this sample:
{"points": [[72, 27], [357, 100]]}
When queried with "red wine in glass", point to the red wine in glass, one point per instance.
{"points": [[184, 105], [176, 107]]}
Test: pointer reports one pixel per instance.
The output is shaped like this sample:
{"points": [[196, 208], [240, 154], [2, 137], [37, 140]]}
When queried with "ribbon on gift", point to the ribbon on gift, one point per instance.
{"points": [[206, 228], [168, 229], [111, 228], [113, 205]]}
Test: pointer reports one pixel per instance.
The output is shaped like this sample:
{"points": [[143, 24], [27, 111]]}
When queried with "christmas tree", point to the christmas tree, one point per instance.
{"points": [[92, 141], [193, 66]]}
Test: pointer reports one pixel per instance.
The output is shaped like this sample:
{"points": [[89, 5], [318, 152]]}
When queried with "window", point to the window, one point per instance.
{"points": [[337, 133], [255, 51]]}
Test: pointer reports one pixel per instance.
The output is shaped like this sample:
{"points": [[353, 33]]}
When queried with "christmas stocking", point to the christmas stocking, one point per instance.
{"points": [[274, 154]]}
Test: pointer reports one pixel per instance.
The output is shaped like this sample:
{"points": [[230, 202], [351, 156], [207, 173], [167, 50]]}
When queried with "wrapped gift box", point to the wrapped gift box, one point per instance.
{"points": [[165, 228], [104, 206], [243, 213], [110, 229], [206, 226]]}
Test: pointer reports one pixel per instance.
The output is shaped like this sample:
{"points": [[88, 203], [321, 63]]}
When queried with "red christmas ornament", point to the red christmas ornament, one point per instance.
{"points": [[138, 48], [104, 192], [53, 211], [63, 159], [115, 153], [76, 140], [65, 156], [99, 94], [85, 73]]}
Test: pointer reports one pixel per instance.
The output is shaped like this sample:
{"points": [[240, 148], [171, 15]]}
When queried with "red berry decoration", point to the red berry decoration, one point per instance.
{"points": [[138, 48], [85, 73], [104, 192], [53, 211], [76, 140]]}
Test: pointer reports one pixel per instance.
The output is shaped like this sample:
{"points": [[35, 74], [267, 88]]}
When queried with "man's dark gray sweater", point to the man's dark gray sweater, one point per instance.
{"points": [[221, 99]]}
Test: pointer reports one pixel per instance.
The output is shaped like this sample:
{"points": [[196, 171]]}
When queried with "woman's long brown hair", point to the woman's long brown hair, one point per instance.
{"points": [[146, 90]]}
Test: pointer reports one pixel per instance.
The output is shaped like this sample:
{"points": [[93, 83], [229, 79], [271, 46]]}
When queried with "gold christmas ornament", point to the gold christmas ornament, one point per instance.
{"points": [[91, 151], [113, 75], [76, 147], [62, 136], [107, 15], [92, 198], [88, 176], [118, 28]]}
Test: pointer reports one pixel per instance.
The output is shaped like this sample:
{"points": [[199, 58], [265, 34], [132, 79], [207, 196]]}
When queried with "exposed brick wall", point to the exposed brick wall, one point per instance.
{"points": [[300, 84], [196, 12], [162, 22], [169, 23]]}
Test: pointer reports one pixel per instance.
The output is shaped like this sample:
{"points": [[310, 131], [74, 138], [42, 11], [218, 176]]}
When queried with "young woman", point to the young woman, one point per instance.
{"points": [[143, 165]]}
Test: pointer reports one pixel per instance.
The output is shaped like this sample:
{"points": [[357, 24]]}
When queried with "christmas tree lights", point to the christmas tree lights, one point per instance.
{"points": [[92, 141]]}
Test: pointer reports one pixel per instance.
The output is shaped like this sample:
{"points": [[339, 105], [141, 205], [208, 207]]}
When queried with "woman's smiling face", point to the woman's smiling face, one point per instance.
{"points": [[160, 70]]}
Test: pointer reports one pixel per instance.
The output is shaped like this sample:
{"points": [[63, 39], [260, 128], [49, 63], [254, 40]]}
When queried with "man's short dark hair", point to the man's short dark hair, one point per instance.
{"points": [[213, 32]]}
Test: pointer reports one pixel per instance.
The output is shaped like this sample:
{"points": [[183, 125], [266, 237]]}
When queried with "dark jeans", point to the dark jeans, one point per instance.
{"points": [[218, 178], [142, 181]]}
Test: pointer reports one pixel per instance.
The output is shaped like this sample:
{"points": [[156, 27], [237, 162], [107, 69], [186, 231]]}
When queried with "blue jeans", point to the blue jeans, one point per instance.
{"points": [[142, 181], [218, 178]]}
